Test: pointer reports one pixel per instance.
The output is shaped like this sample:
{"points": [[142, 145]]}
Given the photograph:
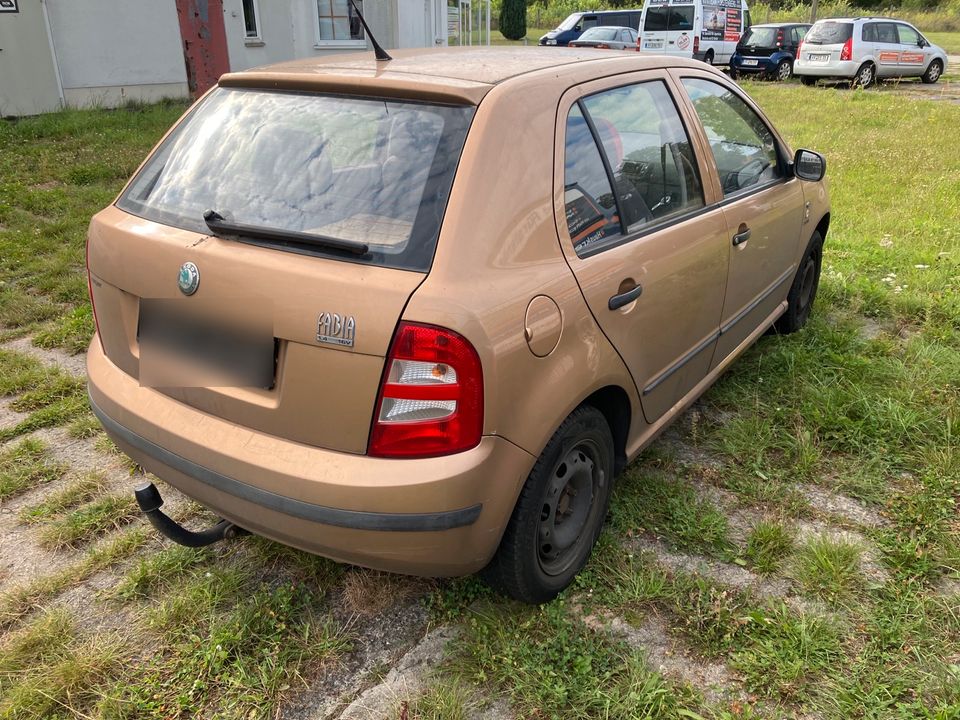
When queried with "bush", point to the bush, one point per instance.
{"points": [[513, 19]]}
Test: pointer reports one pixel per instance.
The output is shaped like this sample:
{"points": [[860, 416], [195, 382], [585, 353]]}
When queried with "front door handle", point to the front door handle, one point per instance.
{"points": [[743, 234], [625, 298]]}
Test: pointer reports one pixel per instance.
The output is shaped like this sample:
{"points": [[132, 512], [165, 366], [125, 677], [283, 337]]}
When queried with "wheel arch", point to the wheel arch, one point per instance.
{"points": [[614, 403], [823, 226]]}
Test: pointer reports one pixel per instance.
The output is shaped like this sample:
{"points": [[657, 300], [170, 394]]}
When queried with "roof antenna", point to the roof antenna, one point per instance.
{"points": [[381, 54]]}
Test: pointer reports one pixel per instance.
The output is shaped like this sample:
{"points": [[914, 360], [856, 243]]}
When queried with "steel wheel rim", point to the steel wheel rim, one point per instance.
{"points": [[568, 507]]}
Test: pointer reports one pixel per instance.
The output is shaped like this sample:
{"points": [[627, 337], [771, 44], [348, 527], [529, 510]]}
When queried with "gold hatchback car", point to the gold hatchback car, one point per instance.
{"points": [[417, 314]]}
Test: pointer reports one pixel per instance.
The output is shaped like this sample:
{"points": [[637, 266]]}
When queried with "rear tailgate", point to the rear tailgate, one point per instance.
{"points": [[323, 395]]}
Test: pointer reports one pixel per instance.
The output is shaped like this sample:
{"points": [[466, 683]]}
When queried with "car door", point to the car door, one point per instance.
{"points": [[762, 206], [885, 47], [643, 236], [913, 57]]}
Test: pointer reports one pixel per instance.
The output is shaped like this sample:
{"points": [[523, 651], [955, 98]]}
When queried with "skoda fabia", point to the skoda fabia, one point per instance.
{"points": [[418, 314]]}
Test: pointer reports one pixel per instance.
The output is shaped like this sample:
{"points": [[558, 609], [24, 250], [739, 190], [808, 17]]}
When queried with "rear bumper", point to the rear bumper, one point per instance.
{"points": [[437, 516], [837, 69], [764, 64]]}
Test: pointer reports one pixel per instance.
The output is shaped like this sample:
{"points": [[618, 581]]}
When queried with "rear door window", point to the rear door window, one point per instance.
{"points": [[668, 18], [829, 33], [372, 171], [744, 149], [649, 171]]}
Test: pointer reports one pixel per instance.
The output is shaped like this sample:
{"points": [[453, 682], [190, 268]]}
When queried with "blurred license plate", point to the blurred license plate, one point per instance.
{"points": [[750, 62], [653, 44], [819, 58], [181, 347]]}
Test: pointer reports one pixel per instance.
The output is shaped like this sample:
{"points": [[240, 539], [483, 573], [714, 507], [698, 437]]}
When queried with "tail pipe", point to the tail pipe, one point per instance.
{"points": [[149, 500]]}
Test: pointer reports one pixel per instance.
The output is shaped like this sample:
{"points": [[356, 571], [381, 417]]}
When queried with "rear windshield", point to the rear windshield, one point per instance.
{"points": [[669, 18], [829, 33], [371, 171], [760, 37]]}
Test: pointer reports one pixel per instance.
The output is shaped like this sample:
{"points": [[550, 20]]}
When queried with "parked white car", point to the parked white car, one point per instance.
{"points": [[866, 49], [705, 30]]}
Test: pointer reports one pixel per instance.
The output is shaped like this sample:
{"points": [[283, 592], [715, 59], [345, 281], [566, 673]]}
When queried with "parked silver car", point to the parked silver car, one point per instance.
{"points": [[866, 49], [608, 37]]}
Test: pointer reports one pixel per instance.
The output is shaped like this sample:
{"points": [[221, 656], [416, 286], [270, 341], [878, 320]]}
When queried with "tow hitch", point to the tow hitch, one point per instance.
{"points": [[149, 500]]}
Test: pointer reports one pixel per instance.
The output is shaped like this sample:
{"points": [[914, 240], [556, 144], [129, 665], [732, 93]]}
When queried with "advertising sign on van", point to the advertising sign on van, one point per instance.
{"points": [[721, 21]]}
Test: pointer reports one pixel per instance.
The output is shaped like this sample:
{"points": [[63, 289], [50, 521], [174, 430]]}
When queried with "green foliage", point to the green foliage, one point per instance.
{"points": [[767, 545], [25, 466], [513, 19]]}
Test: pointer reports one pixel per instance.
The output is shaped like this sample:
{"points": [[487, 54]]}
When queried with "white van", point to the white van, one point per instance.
{"points": [[706, 30]]}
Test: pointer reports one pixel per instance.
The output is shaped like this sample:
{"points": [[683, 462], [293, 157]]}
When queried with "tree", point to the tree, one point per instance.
{"points": [[513, 19]]}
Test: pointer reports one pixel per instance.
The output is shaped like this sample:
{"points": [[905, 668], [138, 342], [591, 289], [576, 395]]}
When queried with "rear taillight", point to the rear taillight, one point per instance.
{"points": [[93, 307], [799, 47], [779, 38], [431, 395], [638, 43], [696, 43], [847, 51]]}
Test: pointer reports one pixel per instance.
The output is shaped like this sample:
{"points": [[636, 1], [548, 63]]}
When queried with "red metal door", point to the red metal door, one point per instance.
{"points": [[204, 42]]}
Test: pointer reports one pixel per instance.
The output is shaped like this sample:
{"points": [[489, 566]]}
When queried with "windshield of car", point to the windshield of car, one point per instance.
{"points": [[369, 171], [570, 22], [829, 33], [760, 37], [669, 18], [601, 33]]}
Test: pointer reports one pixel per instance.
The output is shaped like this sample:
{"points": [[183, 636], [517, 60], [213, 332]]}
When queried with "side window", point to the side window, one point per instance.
{"points": [[647, 152], [887, 33], [869, 32], [589, 21], [908, 36], [591, 209], [625, 36], [744, 149]]}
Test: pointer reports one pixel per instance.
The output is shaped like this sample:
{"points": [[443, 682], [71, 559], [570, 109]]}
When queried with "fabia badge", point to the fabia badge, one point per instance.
{"points": [[334, 329], [189, 279]]}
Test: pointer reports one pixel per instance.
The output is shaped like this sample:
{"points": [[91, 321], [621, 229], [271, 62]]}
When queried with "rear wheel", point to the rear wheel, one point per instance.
{"points": [[708, 58], [784, 70], [865, 77], [808, 80], [804, 289], [933, 72], [560, 511], [734, 74]]}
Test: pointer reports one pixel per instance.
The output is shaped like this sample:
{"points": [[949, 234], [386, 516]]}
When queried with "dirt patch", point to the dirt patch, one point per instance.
{"points": [[842, 506], [367, 593], [10, 417], [667, 656]]}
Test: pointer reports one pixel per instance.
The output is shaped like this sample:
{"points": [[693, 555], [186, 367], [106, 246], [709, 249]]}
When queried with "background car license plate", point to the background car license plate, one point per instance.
{"points": [[819, 58], [653, 44], [750, 62]]}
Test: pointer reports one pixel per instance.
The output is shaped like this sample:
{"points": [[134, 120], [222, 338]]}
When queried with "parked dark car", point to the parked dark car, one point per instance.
{"points": [[768, 50], [579, 22], [608, 38]]}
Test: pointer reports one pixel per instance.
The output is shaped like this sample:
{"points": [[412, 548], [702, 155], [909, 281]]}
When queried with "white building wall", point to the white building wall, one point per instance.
{"points": [[110, 52]]}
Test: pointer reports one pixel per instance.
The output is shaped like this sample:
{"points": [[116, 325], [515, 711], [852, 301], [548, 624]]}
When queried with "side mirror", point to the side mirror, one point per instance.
{"points": [[809, 165], [922, 43]]}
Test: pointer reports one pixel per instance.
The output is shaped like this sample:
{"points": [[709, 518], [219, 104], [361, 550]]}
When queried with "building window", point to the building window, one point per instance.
{"points": [[338, 22], [251, 20]]}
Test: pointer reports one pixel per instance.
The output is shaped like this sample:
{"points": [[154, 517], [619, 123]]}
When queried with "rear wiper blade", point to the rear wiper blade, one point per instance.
{"points": [[218, 225]]}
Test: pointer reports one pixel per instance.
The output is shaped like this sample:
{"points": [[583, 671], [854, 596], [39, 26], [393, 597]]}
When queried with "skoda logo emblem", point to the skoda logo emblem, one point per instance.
{"points": [[189, 279]]}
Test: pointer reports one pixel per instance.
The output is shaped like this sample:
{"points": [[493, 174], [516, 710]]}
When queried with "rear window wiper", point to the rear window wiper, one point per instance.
{"points": [[219, 226]]}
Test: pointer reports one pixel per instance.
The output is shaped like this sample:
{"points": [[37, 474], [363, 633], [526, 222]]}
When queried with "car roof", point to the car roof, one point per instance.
{"points": [[462, 75], [608, 27], [780, 25]]}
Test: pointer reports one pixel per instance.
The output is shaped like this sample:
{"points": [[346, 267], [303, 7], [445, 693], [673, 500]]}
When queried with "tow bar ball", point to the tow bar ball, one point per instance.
{"points": [[150, 502]]}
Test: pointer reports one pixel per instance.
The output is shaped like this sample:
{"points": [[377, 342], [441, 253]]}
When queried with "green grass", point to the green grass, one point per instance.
{"points": [[25, 466], [49, 395], [81, 490], [767, 545], [949, 41], [90, 521], [828, 567]]}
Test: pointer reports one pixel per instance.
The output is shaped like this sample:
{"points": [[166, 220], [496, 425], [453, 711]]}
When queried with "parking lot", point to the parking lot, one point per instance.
{"points": [[790, 548]]}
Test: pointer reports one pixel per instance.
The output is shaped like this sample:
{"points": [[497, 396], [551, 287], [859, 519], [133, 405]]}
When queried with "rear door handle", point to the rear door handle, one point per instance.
{"points": [[741, 237], [625, 298]]}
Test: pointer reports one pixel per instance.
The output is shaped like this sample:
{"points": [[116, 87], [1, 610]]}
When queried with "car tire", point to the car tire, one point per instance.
{"points": [[784, 71], [808, 79], [803, 291], [530, 565], [933, 73], [734, 74], [708, 58], [866, 76]]}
